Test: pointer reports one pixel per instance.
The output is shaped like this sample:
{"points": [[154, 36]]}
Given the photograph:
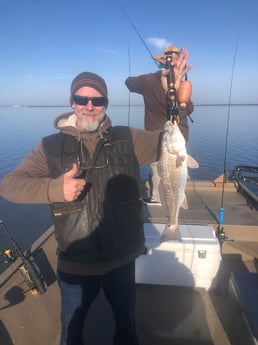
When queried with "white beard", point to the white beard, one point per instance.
{"points": [[92, 124], [89, 126]]}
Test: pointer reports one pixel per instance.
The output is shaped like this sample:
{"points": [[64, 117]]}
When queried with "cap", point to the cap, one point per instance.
{"points": [[162, 59], [88, 79]]}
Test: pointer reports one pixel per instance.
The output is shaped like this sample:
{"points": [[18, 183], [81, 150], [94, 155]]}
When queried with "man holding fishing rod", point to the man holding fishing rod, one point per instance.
{"points": [[156, 103], [88, 173]]}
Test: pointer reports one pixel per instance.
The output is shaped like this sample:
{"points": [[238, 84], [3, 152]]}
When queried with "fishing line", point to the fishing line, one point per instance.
{"points": [[221, 214], [129, 97], [135, 29]]}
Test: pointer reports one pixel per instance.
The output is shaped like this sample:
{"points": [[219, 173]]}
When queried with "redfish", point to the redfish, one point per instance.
{"points": [[173, 171]]}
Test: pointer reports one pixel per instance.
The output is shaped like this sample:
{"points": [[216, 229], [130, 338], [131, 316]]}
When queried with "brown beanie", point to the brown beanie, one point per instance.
{"points": [[88, 79]]}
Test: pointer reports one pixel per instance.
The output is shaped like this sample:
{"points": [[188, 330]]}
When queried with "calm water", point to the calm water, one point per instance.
{"points": [[22, 128]]}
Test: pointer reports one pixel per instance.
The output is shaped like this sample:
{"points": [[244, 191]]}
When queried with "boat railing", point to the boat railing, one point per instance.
{"points": [[237, 172]]}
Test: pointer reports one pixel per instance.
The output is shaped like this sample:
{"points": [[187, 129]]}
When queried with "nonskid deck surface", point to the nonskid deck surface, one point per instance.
{"points": [[165, 314]]}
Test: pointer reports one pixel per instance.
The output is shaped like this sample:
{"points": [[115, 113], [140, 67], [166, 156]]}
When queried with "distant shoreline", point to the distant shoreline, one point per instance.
{"points": [[126, 105]]}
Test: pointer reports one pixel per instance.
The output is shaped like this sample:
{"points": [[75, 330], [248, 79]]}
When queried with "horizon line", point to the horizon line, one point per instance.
{"points": [[122, 105]]}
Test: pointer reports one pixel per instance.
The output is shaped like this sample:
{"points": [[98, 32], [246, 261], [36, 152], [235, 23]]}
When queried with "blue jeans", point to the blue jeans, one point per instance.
{"points": [[79, 292]]}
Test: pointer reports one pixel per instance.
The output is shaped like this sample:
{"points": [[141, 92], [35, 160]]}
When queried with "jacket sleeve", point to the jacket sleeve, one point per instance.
{"points": [[146, 144], [135, 84], [30, 182], [189, 107]]}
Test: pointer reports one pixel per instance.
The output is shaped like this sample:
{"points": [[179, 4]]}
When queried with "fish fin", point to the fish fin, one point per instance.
{"points": [[171, 232], [179, 160], [184, 204], [191, 162]]}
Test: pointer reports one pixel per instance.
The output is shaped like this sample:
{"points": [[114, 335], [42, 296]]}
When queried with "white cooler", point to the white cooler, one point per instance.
{"points": [[193, 260]]}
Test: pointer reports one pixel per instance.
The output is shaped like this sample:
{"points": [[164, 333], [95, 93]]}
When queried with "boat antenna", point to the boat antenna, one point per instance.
{"points": [[129, 93], [135, 29], [220, 229]]}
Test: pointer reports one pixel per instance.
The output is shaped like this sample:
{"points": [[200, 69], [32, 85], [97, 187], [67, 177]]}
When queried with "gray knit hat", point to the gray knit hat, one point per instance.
{"points": [[88, 79]]}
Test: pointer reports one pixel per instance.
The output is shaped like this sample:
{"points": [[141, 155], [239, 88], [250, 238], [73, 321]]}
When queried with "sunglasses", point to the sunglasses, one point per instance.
{"points": [[84, 100]]}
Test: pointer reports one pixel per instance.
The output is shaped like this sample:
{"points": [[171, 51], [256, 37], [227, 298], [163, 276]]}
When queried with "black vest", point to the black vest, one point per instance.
{"points": [[106, 223]]}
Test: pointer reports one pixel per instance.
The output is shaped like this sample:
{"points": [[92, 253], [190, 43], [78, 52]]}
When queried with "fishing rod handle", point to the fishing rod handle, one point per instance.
{"points": [[34, 275], [171, 92], [170, 78]]}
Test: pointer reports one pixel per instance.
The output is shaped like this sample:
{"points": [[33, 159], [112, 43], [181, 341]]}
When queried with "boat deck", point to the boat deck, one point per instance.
{"points": [[165, 314], [204, 203]]}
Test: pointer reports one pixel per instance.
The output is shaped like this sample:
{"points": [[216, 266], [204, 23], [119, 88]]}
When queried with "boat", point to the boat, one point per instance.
{"points": [[223, 311], [247, 184]]}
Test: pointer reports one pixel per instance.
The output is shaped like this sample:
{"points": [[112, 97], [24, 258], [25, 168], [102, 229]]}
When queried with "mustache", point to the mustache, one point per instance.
{"points": [[90, 113]]}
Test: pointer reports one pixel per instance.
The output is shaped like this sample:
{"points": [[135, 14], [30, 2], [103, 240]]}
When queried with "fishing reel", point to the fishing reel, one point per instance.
{"points": [[29, 269], [7, 256], [221, 235]]}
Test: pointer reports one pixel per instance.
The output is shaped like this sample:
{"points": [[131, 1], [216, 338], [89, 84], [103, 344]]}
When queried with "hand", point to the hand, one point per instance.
{"points": [[180, 69], [73, 186]]}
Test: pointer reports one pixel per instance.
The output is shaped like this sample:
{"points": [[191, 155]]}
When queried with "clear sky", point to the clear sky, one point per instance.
{"points": [[46, 43]]}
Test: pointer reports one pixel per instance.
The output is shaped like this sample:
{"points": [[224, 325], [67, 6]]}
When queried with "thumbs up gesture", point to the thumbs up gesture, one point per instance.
{"points": [[73, 186]]}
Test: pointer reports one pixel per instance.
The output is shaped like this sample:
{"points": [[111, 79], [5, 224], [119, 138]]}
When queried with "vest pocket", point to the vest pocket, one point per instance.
{"points": [[66, 208]]}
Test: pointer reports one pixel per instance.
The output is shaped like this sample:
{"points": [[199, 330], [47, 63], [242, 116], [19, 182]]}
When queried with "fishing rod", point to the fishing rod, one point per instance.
{"points": [[135, 29], [29, 270], [172, 97], [129, 96], [220, 229]]}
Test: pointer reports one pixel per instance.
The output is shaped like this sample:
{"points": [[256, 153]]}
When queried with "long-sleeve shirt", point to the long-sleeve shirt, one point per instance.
{"points": [[150, 87]]}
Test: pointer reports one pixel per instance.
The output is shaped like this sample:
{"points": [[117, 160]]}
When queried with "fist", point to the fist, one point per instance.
{"points": [[73, 186]]}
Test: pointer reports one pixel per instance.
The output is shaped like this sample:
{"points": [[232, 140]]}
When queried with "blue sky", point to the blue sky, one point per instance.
{"points": [[45, 43]]}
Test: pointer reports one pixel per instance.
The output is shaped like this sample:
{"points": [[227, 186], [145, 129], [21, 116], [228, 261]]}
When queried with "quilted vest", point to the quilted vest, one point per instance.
{"points": [[106, 222]]}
